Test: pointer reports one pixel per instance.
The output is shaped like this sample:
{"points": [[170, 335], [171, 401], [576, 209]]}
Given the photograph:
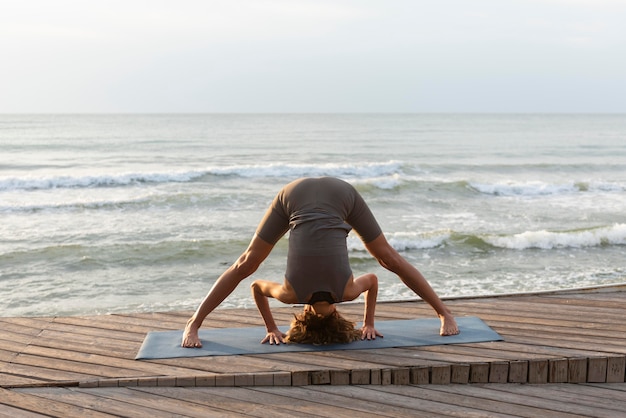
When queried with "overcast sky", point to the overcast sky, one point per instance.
{"points": [[312, 56]]}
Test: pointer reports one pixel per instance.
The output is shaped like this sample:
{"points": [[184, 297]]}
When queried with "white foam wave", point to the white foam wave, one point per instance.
{"points": [[540, 188], [312, 170], [378, 171], [403, 241], [383, 182], [610, 235], [534, 188], [106, 180]]}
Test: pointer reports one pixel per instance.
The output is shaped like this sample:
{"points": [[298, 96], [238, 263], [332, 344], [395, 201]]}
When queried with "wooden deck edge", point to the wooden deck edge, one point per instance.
{"points": [[605, 369]]}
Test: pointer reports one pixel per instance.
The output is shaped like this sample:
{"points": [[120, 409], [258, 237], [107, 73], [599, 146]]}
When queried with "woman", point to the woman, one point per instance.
{"points": [[319, 213]]}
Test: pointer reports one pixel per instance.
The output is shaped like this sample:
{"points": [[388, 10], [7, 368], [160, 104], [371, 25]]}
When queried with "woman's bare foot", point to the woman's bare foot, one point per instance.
{"points": [[448, 325], [190, 336]]}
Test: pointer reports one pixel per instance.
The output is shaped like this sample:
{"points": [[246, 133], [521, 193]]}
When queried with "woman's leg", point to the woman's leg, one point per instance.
{"points": [[389, 258], [246, 264]]}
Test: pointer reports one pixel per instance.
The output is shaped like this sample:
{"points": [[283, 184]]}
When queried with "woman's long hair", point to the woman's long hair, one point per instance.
{"points": [[307, 327]]}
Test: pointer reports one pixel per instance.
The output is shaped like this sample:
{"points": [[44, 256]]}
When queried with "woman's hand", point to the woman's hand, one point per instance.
{"points": [[368, 332], [274, 337]]}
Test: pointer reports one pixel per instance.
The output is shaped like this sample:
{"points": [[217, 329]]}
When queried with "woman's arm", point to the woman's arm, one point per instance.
{"points": [[261, 290], [368, 284]]}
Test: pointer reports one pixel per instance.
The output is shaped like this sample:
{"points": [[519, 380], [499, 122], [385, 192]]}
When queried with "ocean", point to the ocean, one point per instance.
{"points": [[130, 213]]}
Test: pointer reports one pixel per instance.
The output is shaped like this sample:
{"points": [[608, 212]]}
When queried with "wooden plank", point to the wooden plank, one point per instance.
{"points": [[448, 353], [498, 372], [597, 391], [579, 328], [6, 356], [616, 369], [24, 325], [459, 373], [89, 344], [581, 344], [75, 362], [540, 310], [16, 338], [340, 401], [492, 351], [239, 400], [157, 320], [91, 401], [578, 399], [577, 370], [518, 371], [538, 371], [90, 325], [514, 315], [11, 412], [340, 359], [604, 301], [513, 403], [420, 375], [376, 358], [347, 359], [558, 370], [479, 373], [99, 365], [232, 364], [81, 326], [9, 381], [420, 400], [161, 400], [440, 375], [45, 406], [42, 373], [596, 369]]}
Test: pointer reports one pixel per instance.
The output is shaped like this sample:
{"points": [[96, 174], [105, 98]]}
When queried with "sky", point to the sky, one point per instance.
{"points": [[267, 56]]}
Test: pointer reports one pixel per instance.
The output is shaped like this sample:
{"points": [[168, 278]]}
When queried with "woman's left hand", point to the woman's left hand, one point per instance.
{"points": [[274, 337], [368, 332]]}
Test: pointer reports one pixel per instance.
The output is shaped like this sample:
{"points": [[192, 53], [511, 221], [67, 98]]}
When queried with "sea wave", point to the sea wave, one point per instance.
{"points": [[87, 256], [384, 175], [357, 169], [105, 180], [404, 241], [96, 204], [541, 188], [374, 170], [593, 237]]}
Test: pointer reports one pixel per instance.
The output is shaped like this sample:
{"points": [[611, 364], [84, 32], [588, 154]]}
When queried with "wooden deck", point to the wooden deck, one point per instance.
{"points": [[70, 366]]}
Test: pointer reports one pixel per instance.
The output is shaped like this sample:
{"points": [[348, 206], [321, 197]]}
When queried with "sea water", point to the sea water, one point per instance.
{"points": [[129, 213]]}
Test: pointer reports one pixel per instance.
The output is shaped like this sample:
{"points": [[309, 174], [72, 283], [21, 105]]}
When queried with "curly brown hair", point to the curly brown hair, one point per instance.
{"points": [[307, 327]]}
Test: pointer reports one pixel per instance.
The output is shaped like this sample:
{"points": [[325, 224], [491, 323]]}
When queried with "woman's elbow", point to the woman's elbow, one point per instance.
{"points": [[391, 260]]}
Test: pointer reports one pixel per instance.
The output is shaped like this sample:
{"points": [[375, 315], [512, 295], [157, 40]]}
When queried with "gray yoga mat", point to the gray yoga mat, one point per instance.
{"points": [[231, 341]]}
